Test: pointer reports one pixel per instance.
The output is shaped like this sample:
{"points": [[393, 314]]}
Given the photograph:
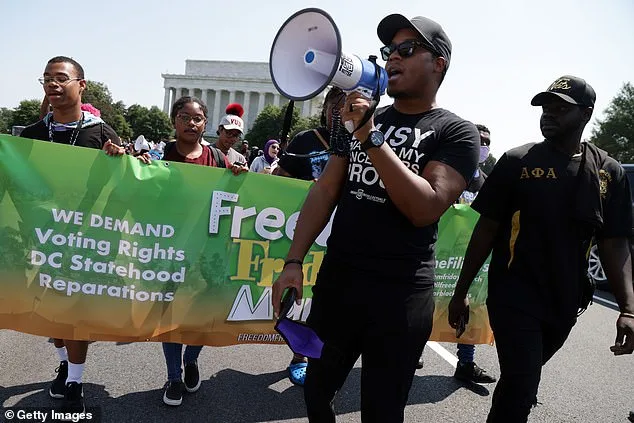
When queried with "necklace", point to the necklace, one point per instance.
{"points": [[73, 136]]}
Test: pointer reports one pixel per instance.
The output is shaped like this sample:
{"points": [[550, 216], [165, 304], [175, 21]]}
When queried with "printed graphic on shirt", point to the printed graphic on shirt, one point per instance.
{"points": [[407, 143], [369, 231]]}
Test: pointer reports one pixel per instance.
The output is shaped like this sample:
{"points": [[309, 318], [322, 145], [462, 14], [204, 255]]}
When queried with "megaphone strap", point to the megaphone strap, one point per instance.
{"points": [[323, 141]]}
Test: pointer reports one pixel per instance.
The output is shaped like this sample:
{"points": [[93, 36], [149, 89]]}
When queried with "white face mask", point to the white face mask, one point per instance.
{"points": [[484, 153]]}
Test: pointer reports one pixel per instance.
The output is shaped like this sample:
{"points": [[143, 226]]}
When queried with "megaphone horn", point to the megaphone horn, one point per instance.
{"points": [[306, 57]]}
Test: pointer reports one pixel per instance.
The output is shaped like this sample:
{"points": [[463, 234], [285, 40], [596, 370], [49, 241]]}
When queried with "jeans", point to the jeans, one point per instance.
{"points": [[387, 325], [466, 353], [173, 359], [524, 344]]}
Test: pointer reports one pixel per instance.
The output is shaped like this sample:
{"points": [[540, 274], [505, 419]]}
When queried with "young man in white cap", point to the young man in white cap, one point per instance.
{"points": [[230, 129]]}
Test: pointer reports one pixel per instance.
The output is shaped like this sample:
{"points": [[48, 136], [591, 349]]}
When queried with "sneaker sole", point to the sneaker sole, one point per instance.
{"points": [[56, 396], [172, 402], [194, 389], [467, 380]]}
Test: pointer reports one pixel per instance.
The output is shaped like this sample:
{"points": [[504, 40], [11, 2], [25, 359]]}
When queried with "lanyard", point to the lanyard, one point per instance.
{"points": [[73, 136]]}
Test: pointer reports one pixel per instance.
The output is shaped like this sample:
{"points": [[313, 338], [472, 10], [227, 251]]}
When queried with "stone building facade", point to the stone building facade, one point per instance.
{"points": [[219, 83]]}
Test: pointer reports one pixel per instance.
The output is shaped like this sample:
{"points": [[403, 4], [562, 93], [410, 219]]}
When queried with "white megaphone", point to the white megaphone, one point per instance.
{"points": [[306, 57]]}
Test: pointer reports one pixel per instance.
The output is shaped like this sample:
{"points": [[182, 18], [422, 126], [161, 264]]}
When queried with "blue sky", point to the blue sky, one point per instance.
{"points": [[504, 52]]}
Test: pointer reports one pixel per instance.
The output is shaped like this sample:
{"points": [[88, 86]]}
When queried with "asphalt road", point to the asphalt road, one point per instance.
{"points": [[584, 382]]}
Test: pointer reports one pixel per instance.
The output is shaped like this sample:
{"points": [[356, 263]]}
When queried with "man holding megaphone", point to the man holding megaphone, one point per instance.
{"points": [[374, 293]]}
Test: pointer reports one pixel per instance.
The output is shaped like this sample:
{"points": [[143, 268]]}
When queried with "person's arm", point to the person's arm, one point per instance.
{"points": [[479, 248], [617, 264], [313, 217], [279, 171], [615, 255], [422, 199], [110, 135], [493, 203]]}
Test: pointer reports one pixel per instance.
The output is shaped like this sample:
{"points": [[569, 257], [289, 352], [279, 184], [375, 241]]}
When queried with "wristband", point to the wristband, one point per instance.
{"points": [[630, 315], [300, 262]]}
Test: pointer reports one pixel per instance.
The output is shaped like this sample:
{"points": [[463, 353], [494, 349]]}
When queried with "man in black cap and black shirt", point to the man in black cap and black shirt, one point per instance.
{"points": [[541, 207], [374, 292]]}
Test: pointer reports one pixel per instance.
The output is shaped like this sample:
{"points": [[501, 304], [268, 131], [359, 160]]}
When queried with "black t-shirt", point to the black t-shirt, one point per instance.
{"points": [[539, 250], [306, 168], [369, 233], [476, 183], [92, 136]]}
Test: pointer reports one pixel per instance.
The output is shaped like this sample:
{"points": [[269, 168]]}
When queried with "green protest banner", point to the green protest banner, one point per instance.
{"points": [[107, 248]]}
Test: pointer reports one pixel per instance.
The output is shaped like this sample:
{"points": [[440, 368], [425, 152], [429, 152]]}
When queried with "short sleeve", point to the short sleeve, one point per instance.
{"points": [[111, 135], [36, 131], [494, 199], [459, 148], [617, 210]]}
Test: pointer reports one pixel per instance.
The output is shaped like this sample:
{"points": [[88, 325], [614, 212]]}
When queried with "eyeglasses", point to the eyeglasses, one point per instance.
{"points": [[58, 79], [232, 134], [186, 118], [405, 49]]}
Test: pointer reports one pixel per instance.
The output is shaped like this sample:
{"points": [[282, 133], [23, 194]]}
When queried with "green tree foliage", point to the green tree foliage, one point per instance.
{"points": [[99, 96], [269, 122], [26, 113], [6, 117], [488, 164], [152, 123], [615, 133]]}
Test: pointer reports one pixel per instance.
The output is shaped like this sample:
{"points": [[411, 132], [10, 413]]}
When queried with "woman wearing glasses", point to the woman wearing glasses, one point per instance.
{"points": [[267, 162]]}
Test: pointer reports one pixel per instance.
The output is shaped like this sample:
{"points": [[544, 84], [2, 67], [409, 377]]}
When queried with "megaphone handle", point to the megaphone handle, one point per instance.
{"points": [[349, 125]]}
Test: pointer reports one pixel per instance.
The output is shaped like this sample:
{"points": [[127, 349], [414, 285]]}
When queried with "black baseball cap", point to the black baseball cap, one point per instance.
{"points": [[570, 89], [430, 30]]}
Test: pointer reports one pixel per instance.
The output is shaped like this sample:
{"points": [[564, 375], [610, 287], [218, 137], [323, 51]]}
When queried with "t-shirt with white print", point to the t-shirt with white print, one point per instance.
{"points": [[369, 233]]}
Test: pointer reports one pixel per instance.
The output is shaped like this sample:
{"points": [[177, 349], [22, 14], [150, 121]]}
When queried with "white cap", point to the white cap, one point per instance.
{"points": [[232, 122]]}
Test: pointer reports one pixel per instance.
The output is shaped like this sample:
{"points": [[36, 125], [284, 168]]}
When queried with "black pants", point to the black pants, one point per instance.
{"points": [[524, 344], [388, 325]]}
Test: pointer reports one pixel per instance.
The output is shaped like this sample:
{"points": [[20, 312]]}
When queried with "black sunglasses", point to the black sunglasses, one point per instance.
{"points": [[405, 49]]}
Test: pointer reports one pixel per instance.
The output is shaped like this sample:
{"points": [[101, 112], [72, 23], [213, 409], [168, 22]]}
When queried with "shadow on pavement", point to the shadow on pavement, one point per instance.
{"points": [[229, 396]]}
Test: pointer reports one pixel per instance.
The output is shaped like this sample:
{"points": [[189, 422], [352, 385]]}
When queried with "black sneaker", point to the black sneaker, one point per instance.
{"points": [[58, 386], [470, 372], [173, 393], [420, 363], [631, 417], [192, 377], [73, 400]]}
